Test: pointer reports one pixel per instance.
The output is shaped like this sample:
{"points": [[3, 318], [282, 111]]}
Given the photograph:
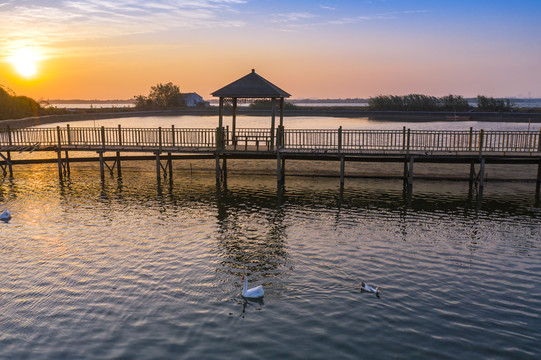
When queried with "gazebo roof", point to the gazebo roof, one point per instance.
{"points": [[251, 86]]}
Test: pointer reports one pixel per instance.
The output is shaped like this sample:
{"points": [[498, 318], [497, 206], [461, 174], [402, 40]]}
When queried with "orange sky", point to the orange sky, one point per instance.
{"points": [[90, 49]]}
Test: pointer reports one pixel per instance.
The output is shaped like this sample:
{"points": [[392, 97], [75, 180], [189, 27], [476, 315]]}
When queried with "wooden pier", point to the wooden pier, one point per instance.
{"points": [[406, 146]]}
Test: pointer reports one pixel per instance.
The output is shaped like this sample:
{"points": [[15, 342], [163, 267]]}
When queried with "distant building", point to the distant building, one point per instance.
{"points": [[191, 100]]}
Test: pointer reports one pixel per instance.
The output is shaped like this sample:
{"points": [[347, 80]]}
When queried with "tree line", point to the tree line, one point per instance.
{"points": [[450, 103]]}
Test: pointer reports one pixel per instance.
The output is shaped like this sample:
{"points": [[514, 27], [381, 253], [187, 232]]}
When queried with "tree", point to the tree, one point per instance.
{"points": [[490, 104], [16, 107], [161, 96]]}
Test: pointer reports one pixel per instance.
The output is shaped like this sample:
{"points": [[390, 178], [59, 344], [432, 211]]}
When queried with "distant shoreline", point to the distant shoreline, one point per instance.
{"points": [[411, 116]]}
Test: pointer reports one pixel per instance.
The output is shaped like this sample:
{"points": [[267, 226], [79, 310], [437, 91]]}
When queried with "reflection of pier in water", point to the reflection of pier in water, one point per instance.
{"points": [[409, 147]]}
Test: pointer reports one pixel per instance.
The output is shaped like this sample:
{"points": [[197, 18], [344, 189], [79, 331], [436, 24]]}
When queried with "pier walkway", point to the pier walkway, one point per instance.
{"points": [[401, 146]]}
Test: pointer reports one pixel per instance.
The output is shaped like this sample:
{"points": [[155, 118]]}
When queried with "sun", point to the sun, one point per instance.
{"points": [[25, 61]]}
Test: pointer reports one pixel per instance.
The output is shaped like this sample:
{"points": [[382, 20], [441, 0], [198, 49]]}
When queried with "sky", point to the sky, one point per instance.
{"points": [[105, 49]]}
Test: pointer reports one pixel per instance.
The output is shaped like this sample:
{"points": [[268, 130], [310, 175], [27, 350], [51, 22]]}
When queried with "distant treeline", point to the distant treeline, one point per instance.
{"points": [[264, 104], [451, 103]]}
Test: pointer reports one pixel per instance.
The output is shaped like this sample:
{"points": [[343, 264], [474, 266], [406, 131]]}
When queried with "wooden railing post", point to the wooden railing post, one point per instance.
{"points": [[471, 139], [8, 153], [119, 135], [408, 143], [172, 135], [339, 140], [219, 140], [160, 138], [403, 138], [68, 133], [539, 141], [103, 138], [481, 139], [59, 152]]}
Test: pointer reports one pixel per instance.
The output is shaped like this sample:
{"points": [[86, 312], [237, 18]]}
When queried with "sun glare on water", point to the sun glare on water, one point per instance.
{"points": [[25, 61]]}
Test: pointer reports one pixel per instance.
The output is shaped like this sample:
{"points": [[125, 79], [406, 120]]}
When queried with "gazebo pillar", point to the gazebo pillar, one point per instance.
{"points": [[281, 111], [221, 113], [233, 136], [273, 121]]}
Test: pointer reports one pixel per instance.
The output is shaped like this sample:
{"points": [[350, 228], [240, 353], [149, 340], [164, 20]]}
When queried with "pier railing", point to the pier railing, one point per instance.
{"points": [[335, 140], [412, 140]]}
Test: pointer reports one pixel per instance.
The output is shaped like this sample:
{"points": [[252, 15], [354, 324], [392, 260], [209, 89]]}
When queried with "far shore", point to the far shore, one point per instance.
{"points": [[410, 116]]}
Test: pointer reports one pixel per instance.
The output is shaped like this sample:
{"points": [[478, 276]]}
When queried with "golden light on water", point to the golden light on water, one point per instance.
{"points": [[25, 61]]}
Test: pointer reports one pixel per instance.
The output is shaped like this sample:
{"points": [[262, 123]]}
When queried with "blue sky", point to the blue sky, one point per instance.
{"points": [[327, 48]]}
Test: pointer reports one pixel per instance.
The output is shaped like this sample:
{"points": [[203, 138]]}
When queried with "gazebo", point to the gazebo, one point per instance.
{"points": [[251, 87]]}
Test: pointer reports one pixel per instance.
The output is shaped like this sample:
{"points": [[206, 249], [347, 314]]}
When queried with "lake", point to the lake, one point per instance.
{"points": [[128, 268]]}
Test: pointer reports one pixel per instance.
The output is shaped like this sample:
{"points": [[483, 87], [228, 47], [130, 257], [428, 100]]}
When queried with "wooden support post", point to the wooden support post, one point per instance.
{"points": [[279, 175], [224, 168], [410, 172], [406, 147], [170, 165], [118, 166], [482, 173], [218, 168], [472, 173], [342, 170], [59, 153], [67, 163], [283, 169], [158, 167], [102, 168]]}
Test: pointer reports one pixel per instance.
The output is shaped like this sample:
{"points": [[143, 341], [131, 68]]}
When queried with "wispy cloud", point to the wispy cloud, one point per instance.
{"points": [[292, 17], [304, 21], [51, 22], [327, 7]]}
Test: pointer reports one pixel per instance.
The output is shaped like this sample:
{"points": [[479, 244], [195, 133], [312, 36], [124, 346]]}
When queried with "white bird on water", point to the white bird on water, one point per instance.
{"points": [[252, 293], [5, 215], [370, 289]]}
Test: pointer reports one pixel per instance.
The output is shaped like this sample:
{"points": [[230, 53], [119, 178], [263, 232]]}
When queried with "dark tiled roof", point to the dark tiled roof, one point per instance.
{"points": [[251, 86]]}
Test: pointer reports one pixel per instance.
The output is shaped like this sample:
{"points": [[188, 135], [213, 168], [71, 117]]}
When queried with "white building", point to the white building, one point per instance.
{"points": [[191, 100]]}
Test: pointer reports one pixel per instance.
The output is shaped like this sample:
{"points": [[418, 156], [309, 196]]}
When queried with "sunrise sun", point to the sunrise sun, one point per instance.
{"points": [[25, 62]]}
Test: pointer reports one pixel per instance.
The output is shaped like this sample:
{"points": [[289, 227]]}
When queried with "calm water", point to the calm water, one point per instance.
{"points": [[130, 269], [297, 122]]}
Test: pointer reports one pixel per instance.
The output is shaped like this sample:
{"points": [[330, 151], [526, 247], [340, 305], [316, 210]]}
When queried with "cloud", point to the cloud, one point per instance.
{"points": [[304, 21], [292, 17], [327, 7], [53, 22]]}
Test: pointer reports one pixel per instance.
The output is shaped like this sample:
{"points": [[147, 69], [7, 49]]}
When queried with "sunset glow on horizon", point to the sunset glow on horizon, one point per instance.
{"points": [[104, 49]]}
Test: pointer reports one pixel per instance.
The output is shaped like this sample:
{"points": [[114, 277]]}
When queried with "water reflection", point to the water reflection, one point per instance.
{"points": [[166, 260], [251, 233]]}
